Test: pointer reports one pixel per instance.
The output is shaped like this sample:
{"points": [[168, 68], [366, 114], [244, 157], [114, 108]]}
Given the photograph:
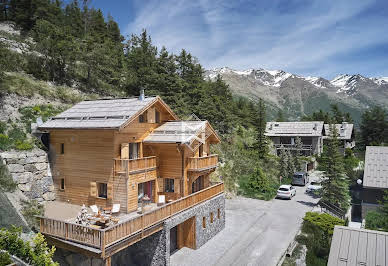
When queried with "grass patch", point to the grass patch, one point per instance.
{"points": [[30, 209]]}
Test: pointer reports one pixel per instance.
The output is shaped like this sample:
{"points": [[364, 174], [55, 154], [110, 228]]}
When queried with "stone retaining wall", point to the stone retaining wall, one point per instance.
{"points": [[31, 171]]}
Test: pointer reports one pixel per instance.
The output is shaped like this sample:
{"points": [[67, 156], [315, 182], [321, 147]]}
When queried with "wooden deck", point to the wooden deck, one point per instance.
{"points": [[126, 232], [131, 166], [203, 163]]}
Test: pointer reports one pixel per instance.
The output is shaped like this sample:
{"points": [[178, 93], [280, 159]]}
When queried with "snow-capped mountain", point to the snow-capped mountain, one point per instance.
{"points": [[300, 95]]}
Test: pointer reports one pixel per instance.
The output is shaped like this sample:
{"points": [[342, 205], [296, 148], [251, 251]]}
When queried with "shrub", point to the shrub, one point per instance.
{"points": [[5, 258], [30, 209], [375, 220], [39, 254], [317, 232], [6, 181]]}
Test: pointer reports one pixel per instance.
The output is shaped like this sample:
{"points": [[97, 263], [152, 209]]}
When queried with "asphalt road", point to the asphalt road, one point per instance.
{"points": [[256, 232]]}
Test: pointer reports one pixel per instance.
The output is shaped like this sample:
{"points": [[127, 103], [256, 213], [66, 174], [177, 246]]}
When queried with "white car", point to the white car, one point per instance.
{"points": [[286, 192], [314, 186]]}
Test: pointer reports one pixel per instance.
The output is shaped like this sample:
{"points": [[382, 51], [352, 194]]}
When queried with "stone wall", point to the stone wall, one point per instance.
{"points": [[69, 258], [202, 235], [31, 171]]}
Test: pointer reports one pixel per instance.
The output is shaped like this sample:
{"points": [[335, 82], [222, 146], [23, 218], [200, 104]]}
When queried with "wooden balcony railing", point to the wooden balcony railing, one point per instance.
{"points": [[305, 147], [128, 166], [203, 163], [103, 238]]}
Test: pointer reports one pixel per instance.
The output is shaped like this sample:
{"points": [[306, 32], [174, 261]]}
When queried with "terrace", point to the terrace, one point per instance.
{"points": [[59, 224]]}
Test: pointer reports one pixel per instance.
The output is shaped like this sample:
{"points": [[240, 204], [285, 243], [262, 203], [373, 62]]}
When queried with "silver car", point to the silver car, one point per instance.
{"points": [[300, 178], [286, 192]]}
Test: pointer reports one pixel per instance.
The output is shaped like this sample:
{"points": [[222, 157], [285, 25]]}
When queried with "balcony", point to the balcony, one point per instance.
{"points": [[132, 166], [105, 242], [203, 163], [304, 147]]}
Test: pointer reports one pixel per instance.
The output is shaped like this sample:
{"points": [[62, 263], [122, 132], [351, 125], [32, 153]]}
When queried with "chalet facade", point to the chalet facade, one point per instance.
{"points": [[284, 134], [345, 135], [128, 152], [375, 180]]}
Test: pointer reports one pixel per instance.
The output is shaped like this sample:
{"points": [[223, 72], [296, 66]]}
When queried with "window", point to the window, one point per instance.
{"points": [[134, 150], [62, 148], [102, 190], [211, 217], [203, 222], [62, 184], [218, 213], [157, 116], [143, 117], [168, 185]]}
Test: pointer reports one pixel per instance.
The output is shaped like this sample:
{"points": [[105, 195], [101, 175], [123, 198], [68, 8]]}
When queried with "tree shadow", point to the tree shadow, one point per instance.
{"points": [[307, 203]]}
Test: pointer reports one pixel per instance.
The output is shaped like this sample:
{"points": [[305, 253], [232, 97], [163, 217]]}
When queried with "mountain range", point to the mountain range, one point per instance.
{"points": [[296, 95]]}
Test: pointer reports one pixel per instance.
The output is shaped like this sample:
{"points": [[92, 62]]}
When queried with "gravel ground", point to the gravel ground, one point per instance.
{"points": [[256, 233]]}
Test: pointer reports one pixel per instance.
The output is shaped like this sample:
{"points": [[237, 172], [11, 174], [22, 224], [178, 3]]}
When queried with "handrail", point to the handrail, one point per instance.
{"points": [[198, 163], [332, 209], [131, 165], [101, 238]]}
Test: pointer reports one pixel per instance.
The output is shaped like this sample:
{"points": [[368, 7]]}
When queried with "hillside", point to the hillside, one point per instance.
{"points": [[298, 96]]}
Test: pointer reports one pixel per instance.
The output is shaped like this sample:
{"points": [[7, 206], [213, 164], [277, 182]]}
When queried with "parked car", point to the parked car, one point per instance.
{"points": [[286, 192], [314, 186], [300, 178]]}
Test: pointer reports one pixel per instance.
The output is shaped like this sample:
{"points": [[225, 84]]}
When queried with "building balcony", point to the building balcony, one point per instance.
{"points": [[197, 164], [304, 147], [130, 228], [132, 166]]}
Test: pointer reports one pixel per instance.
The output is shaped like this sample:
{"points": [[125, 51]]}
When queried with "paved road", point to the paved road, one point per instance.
{"points": [[256, 232]]}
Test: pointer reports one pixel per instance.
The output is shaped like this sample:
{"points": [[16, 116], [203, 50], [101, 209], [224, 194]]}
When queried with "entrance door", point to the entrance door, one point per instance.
{"points": [[173, 239]]}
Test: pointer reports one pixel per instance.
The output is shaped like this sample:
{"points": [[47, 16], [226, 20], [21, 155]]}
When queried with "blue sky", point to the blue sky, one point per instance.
{"points": [[306, 37]]}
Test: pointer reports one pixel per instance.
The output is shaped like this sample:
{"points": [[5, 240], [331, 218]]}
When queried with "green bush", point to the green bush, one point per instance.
{"points": [[375, 220], [30, 209], [5, 258], [39, 254], [317, 232], [6, 182]]}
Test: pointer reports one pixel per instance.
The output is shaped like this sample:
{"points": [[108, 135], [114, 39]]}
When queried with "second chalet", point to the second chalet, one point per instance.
{"points": [[142, 175]]}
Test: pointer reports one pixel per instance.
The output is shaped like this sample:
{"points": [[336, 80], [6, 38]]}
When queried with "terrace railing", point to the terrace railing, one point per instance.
{"points": [[103, 238]]}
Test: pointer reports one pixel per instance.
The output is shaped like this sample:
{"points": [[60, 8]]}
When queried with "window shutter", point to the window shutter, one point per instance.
{"points": [[110, 191], [124, 150], [93, 189]]}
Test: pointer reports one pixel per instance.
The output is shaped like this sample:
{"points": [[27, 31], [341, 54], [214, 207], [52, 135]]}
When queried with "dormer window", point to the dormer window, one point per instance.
{"points": [[143, 117]]}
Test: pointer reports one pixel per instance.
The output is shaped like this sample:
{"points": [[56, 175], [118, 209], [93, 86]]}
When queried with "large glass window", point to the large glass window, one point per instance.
{"points": [[168, 185], [102, 190]]}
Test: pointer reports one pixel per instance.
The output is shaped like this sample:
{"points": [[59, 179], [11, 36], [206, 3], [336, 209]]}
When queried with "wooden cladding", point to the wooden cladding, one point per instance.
{"points": [[102, 238], [202, 163], [93, 189], [128, 166]]}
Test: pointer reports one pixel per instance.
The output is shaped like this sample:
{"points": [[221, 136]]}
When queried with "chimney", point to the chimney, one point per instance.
{"points": [[141, 96]]}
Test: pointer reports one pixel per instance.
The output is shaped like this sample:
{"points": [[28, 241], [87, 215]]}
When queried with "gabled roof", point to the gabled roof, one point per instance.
{"points": [[344, 130], [376, 167], [301, 129], [179, 132], [101, 114], [354, 247]]}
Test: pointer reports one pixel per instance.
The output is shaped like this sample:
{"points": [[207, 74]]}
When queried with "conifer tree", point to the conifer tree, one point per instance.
{"points": [[335, 189], [260, 124], [283, 160], [290, 164], [258, 182]]}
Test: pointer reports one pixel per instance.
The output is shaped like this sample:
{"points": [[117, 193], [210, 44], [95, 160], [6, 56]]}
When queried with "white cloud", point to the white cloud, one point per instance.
{"points": [[306, 40]]}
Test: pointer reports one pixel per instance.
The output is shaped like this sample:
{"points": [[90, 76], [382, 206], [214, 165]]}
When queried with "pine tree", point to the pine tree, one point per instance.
{"points": [[280, 116], [290, 164], [283, 160], [260, 125], [374, 127], [335, 189], [258, 182]]}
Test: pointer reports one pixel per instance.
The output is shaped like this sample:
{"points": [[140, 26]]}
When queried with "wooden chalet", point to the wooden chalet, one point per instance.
{"points": [[119, 151]]}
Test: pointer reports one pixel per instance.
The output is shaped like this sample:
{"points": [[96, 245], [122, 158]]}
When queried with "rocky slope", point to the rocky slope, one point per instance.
{"points": [[297, 95]]}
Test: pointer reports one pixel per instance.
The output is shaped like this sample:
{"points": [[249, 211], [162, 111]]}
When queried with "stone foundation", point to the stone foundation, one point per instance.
{"points": [[31, 171]]}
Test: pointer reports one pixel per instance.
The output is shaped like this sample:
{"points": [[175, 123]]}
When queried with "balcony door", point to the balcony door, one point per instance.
{"points": [[197, 185], [134, 150]]}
